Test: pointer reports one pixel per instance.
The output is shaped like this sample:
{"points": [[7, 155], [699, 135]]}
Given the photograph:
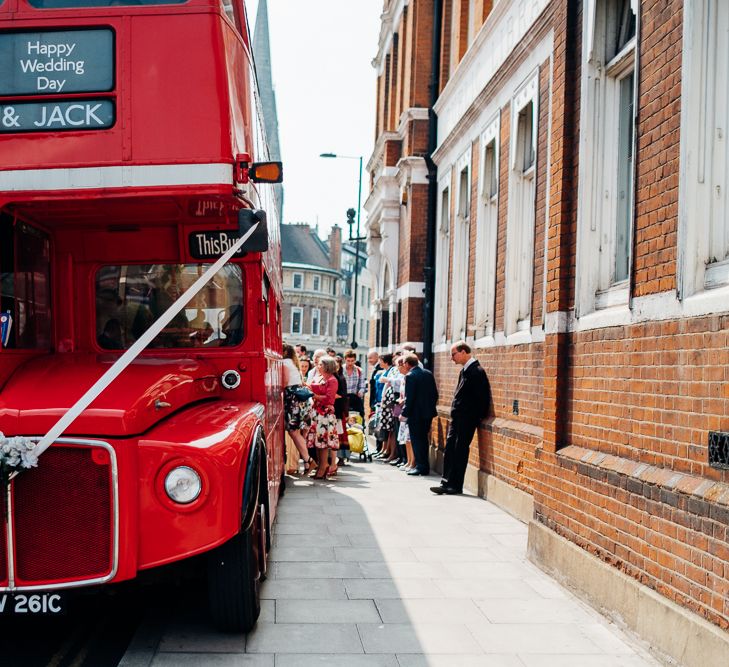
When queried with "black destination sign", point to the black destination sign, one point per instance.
{"points": [[56, 62], [213, 244], [56, 116]]}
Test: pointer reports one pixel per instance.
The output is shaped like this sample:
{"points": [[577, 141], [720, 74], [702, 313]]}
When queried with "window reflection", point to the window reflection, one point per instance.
{"points": [[129, 298]]}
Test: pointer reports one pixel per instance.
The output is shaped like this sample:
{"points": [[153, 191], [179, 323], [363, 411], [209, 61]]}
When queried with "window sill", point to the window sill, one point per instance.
{"points": [[617, 295], [716, 275]]}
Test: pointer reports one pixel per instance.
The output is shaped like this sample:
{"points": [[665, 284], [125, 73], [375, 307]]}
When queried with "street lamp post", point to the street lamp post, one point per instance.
{"points": [[356, 239]]}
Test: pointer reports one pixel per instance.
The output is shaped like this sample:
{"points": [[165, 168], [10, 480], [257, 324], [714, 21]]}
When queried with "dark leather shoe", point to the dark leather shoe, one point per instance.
{"points": [[438, 490], [414, 473], [448, 491]]}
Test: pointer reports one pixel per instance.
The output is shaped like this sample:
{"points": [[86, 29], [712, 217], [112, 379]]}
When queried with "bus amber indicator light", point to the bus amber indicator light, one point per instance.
{"points": [[258, 241], [266, 172]]}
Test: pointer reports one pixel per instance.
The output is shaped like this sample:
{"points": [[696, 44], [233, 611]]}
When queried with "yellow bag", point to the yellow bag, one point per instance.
{"points": [[356, 440]]}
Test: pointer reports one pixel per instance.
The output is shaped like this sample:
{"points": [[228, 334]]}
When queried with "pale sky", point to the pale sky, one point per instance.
{"points": [[321, 55]]}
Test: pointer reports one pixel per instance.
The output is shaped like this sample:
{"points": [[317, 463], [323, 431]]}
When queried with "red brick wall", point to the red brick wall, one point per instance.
{"points": [[658, 132], [611, 435], [503, 210], [651, 392], [541, 195]]}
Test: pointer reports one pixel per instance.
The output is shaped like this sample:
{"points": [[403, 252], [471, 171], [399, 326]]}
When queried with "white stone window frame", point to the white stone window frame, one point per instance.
{"points": [[471, 22], [316, 319], [325, 327], [316, 283], [461, 230], [442, 258], [296, 310], [595, 285], [300, 276], [487, 223], [521, 216], [703, 230]]}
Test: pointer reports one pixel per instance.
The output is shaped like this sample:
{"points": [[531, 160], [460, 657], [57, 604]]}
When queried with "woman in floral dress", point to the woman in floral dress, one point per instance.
{"points": [[323, 432]]}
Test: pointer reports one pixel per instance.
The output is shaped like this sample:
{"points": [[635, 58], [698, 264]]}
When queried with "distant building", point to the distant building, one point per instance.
{"points": [[311, 284], [348, 312]]}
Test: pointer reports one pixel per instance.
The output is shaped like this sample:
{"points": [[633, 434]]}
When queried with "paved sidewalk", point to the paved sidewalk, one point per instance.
{"points": [[374, 570]]}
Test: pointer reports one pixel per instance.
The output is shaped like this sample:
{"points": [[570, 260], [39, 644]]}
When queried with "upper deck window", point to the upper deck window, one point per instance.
{"points": [[68, 4], [129, 298], [25, 270]]}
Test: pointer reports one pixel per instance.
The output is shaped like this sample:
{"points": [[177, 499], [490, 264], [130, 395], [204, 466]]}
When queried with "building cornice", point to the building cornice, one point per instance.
{"points": [[412, 170], [376, 160], [389, 19], [537, 48], [507, 24]]}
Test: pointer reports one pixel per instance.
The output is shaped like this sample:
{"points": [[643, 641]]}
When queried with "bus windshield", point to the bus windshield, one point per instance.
{"points": [[67, 4], [129, 298]]}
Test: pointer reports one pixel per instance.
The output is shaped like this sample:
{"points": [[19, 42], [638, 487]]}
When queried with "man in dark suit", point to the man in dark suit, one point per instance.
{"points": [[470, 405], [421, 397]]}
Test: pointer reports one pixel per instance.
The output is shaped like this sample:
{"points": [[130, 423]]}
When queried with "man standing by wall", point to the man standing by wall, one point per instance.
{"points": [[421, 397], [470, 405]]}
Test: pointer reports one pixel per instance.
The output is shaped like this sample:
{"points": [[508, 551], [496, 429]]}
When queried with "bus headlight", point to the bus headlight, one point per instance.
{"points": [[183, 485]]}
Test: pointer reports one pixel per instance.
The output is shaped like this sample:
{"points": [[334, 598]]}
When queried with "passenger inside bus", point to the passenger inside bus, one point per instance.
{"points": [[111, 336]]}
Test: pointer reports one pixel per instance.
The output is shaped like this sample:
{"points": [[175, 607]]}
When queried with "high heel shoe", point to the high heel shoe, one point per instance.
{"points": [[323, 474], [332, 471], [309, 465]]}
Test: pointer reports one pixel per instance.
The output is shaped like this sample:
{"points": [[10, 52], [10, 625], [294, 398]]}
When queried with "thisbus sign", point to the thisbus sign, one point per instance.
{"points": [[56, 62]]}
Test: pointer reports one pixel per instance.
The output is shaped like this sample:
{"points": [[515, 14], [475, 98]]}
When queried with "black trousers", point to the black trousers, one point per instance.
{"points": [[455, 459], [356, 404], [419, 429]]}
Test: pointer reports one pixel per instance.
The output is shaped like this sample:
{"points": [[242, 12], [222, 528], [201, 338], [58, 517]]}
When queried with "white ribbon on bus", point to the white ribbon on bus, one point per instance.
{"points": [[135, 350]]}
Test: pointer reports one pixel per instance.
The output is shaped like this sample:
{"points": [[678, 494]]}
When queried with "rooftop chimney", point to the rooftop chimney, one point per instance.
{"points": [[335, 247]]}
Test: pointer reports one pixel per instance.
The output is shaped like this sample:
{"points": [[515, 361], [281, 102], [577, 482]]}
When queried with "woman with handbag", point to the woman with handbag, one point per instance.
{"points": [[297, 405]]}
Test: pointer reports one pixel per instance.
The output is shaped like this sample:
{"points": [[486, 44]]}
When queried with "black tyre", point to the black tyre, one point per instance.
{"points": [[235, 573]]}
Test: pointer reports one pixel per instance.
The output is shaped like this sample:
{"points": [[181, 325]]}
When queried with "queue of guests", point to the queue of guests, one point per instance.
{"points": [[317, 407], [321, 393]]}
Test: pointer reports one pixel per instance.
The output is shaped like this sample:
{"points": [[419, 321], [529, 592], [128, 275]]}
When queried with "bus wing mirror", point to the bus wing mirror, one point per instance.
{"points": [[258, 241], [266, 172]]}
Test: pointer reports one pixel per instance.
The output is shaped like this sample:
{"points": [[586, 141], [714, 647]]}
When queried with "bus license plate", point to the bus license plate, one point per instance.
{"points": [[31, 603]]}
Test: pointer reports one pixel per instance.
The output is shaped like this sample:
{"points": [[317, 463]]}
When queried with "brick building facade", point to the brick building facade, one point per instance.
{"points": [[581, 244], [312, 305]]}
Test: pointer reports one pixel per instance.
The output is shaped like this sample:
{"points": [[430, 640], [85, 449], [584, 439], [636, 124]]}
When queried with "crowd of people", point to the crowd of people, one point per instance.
{"points": [[324, 399]]}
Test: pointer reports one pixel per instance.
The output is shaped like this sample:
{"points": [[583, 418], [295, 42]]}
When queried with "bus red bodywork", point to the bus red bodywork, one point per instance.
{"points": [[80, 205]]}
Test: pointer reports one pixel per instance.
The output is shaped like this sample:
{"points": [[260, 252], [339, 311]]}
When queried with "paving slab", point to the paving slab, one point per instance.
{"points": [[372, 570], [302, 638], [327, 611], [212, 660], [421, 638], [340, 660], [414, 660]]}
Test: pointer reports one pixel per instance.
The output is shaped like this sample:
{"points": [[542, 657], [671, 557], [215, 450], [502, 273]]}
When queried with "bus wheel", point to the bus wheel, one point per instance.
{"points": [[234, 578]]}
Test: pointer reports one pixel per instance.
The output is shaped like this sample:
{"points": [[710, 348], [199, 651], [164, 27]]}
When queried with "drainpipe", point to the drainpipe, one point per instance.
{"points": [[429, 270]]}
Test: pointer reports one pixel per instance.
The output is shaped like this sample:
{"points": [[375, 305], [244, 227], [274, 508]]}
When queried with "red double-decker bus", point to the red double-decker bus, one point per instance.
{"points": [[131, 147]]}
